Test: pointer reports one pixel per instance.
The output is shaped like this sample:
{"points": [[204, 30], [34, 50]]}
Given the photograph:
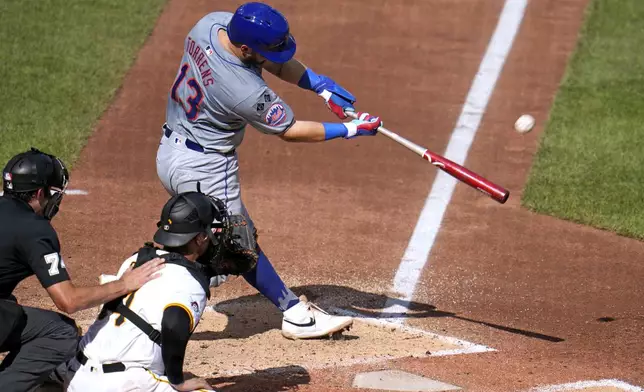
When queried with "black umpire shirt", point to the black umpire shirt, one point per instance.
{"points": [[28, 245]]}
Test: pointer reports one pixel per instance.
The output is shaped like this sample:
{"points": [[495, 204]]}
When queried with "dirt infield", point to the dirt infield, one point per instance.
{"points": [[335, 218]]}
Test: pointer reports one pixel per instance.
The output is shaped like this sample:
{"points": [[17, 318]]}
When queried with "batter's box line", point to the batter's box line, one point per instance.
{"points": [[352, 362], [468, 347], [581, 385], [342, 364]]}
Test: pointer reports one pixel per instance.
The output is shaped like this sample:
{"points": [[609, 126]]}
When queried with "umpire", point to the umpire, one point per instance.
{"points": [[38, 340]]}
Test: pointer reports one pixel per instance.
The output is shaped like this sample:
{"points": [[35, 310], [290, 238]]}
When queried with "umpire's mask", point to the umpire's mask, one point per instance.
{"points": [[33, 170]]}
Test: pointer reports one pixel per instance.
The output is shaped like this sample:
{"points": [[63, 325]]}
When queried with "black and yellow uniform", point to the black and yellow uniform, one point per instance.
{"points": [[150, 328]]}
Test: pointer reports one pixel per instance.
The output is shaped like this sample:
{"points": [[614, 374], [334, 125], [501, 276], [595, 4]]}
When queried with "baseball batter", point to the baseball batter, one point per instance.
{"points": [[218, 91]]}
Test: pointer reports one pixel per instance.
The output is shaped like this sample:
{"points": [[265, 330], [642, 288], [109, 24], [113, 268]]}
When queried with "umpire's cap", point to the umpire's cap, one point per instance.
{"points": [[263, 29], [186, 215], [32, 170]]}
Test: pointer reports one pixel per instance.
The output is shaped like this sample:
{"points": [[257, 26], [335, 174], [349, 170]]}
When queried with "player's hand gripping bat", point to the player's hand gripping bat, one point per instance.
{"points": [[455, 170]]}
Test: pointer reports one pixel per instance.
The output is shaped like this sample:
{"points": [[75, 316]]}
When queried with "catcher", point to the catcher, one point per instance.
{"points": [[138, 342]]}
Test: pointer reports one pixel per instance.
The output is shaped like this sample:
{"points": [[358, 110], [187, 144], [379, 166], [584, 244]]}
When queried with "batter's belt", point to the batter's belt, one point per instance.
{"points": [[194, 146]]}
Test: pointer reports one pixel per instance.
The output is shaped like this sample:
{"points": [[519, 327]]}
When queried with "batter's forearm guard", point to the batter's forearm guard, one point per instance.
{"points": [[308, 80]]}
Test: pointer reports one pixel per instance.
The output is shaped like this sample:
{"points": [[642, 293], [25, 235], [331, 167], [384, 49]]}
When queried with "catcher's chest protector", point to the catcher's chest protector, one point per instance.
{"points": [[145, 254], [149, 252]]}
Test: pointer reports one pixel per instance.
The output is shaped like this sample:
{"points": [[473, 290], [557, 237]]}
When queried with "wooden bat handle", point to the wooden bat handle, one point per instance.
{"points": [[395, 137]]}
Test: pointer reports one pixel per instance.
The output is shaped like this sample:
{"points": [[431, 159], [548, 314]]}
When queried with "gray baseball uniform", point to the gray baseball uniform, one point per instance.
{"points": [[213, 98]]}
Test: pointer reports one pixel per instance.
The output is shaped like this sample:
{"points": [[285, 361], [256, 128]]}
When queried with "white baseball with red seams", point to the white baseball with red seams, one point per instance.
{"points": [[524, 124]]}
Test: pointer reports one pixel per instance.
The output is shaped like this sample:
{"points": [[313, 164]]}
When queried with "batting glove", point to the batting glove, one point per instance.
{"points": [[337, 98], [337, 103], [364, 125]]}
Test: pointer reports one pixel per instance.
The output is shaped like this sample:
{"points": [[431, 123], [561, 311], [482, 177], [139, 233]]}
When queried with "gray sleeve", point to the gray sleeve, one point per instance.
{"points": [[265, 111]]}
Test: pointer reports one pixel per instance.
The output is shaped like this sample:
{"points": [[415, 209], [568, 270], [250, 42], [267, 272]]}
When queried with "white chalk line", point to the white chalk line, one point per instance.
{"points": [[77, 192], [343, 363], [467, 347], [347, 363], [351, 362], [74, 192], [422, 240], [580, 385]]}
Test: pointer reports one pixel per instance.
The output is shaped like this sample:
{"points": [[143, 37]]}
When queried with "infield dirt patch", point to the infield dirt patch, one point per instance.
{"points": [[340, 214], [242, 335], [230, 355]]}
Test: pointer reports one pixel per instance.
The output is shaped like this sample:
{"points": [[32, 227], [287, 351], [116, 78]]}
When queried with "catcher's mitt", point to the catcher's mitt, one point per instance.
{"points": [[240, 252]]}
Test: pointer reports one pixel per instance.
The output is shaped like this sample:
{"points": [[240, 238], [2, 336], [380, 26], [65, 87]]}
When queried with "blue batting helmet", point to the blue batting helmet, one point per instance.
{"points": [[263, 29]]}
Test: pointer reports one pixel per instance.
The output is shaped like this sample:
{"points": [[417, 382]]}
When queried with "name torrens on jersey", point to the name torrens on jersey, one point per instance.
{"points": [[201, 59]]}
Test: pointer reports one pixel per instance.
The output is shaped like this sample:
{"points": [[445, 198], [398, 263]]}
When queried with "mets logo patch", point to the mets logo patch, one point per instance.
{"points": [[276, 114], [195, 306]]}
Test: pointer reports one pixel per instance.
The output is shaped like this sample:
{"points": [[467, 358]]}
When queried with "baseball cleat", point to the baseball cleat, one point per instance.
{"points": [[307, 321]]}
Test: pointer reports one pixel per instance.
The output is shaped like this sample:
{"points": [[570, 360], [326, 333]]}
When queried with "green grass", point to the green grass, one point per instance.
{"points": [[590, 165], [61, 61]]}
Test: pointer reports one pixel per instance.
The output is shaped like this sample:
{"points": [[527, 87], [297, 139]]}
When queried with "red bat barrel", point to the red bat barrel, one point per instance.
{"points": [[472, 179]]}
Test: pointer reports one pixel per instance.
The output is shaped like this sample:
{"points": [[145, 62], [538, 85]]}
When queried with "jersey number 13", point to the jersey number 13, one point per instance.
{"points": [[191, 105]]}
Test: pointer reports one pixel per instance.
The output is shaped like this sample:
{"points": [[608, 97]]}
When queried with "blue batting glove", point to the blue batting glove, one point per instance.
{"points": [[336, 98]]}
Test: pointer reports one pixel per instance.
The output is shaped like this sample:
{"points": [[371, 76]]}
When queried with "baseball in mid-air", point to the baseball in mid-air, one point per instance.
{"points": [[524, 124]]}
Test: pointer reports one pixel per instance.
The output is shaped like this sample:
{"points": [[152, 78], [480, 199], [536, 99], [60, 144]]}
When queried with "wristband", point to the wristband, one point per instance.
{"points": [[308, 79], [334, 130]]}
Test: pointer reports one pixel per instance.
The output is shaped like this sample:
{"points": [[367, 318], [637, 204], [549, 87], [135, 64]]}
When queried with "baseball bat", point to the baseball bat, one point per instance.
{"points": [[455, 170]]}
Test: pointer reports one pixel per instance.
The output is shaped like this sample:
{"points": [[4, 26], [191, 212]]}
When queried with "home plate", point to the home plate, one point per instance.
{"points": [[396, 380]]}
